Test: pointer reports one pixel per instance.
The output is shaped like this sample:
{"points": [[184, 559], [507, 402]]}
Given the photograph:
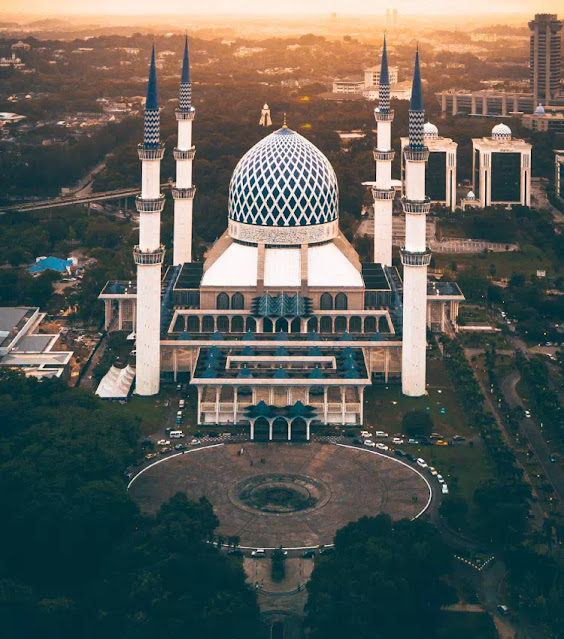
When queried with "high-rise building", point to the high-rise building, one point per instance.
{"points": [[545, 56], [501, 168]]}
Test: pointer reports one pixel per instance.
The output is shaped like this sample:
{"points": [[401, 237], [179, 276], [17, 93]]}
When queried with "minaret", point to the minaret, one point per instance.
{"points": [[149, 254], [415, 255], [265, 119], [383, 192], [183, 191]]}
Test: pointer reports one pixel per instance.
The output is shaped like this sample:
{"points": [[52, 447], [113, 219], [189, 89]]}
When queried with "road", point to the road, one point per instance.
{"points": [[531, 429]]}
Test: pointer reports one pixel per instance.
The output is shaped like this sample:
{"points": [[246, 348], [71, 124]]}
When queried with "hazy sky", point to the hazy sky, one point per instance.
{"points": [[275, 6]]}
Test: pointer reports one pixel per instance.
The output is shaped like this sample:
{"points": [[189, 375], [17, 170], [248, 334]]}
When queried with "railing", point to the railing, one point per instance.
{"points": [[184, 154], [150, 153], [411, 258], [383, 116], [186, 193], [186, 115], [416, 155], [149, 205], [420, 207], [141, 257], [383, 156], [383, 194]]}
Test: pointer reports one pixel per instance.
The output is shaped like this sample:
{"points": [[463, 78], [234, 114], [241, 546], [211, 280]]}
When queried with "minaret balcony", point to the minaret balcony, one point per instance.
{"points": [[384, 156], [384, 116], [186, 114], [150, 205], [416, 207], [150, 152], [186, 193], [414, 258], [416, 154], [383, 194], [184, 154], [149, 257]]}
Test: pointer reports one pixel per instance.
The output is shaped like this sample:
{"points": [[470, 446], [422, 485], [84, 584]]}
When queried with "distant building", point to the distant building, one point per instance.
{"points": [[545, 56], [372, 77], [549, 119], [483, 37], [348, 86], [23, 348], [265, 119], [440, 177], [21, 46], [52, 264], [559, 176], [13, 61], [485, 102], [501, 168]]}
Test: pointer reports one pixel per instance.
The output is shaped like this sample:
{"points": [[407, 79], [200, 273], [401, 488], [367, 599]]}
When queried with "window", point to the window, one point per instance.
{"points": [[341, 302], [237, 324], [355, 324], [222, 301], [326, 325], [207, 324], [223, 324], [326, 302], [193, 324], [340, 324], [237, 302]]}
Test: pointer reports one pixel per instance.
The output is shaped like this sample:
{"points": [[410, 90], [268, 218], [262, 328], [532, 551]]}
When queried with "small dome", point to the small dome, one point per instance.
{"points": [[471, 195], [539, 110], [430, 130], [501, 132]]}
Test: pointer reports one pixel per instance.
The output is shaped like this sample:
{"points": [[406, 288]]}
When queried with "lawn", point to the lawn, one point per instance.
{"points": [[151, 411], [526, 261], [385, 405]]}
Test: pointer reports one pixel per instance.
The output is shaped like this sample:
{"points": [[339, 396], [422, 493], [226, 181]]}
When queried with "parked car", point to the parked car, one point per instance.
{"points": [[503, 610], [433, 471], [150, 455], [365, 433], [195, 442], [308, 554], [397, 440], [459, 438], [441, 442], [181, 403], [369, 442], [440, 479], [411, 457], [163, 442], [177, 434], [435, 436], [382, 446], [444, 489], [380, 433], [421, 462], [399, 452], [258, 553], [412, 441], [180, 447]]}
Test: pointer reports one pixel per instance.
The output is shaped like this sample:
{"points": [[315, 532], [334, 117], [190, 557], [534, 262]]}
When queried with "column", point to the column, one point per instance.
{"points": [[217, 399], [199, 420], [473, 107], [325, 417], [235, 402], [308, 425], [484, 105], [252, 425], [108, 312], [454, 104], [289, 431], [343, 405], [270, 430]]}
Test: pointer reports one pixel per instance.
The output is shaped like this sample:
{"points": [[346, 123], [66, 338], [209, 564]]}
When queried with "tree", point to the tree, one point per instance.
{"points": [[454, 510], [384, 580], [417, 423]]}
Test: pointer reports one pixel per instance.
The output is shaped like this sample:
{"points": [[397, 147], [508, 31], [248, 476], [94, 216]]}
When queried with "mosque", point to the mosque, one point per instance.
{"points": [[282, 325]]}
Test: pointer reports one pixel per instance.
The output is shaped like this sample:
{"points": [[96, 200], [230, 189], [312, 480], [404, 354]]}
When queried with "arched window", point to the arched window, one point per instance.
{"points": [[222, 301], [193, 298], [250, 324], [369, 324], [326, 325], [312, 325], [326, 302], [223, 324], [267, 326], [281, 325], [237, 324], [207, 324], [340, 324], [237, 302], [193, 324], [341, 302], [295, 326], [355, 324]]}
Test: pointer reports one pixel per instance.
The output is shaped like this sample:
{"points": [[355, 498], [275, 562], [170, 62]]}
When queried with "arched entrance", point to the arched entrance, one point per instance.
{"points": [[250, 324], [326, 325], [312, 325], [267, 326], [299, 430], [193, 324], [370, 325], [280, 430], [355, 324], [281, 325], [262, 430], [295, 326], [340, 324], [237, 324]]}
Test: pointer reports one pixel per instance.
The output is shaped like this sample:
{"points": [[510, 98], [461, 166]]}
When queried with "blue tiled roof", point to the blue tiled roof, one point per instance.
{"points": [[50, 264]]}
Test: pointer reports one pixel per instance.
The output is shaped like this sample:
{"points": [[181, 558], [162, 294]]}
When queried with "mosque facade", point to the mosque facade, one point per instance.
{"points": [[282, 325]]}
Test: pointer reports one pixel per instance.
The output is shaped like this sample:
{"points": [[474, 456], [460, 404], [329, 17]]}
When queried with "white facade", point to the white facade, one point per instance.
{"points": [[372, 76], [483, 171], [184, 190], [383, 192]]}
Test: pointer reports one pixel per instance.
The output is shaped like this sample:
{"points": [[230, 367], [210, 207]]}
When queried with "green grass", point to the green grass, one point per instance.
{"points": [[385, 407], [526, 261], [466, 625], [151, 411]]}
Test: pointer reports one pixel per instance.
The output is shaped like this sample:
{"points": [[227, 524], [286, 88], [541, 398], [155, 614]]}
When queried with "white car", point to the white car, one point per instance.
{"points": [[195, 442], [163, 442], [365, 433], [433, 471], [382, 446], [440, 479], [369, 442], [444, 488], [259, 552], [397, 440], [181, 403], [380, 433], [421, 462]]}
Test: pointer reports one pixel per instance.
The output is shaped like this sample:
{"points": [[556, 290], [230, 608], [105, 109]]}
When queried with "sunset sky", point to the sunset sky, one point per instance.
{"points": [[274, 6]]}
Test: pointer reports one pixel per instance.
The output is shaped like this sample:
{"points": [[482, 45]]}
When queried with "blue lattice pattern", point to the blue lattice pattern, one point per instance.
{"points": [[284, 180], [416, 121], [282, 305], [151, 129], [185, 96], [384, 97]]}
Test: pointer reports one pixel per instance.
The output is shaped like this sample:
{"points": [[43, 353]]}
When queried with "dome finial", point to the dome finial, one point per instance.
{"points": [[284, 126]]}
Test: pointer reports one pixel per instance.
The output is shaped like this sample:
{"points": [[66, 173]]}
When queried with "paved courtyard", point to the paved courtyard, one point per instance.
{"points": [[292, 495]]}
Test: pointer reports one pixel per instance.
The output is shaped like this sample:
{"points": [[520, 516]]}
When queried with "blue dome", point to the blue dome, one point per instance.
{"points": [[284, 180]]}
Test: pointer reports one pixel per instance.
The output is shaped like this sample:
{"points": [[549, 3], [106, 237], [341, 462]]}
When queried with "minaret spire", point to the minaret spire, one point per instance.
{"points": [[185, 80], [384, 85], [183, 190], [151, 133], [416, 109]]}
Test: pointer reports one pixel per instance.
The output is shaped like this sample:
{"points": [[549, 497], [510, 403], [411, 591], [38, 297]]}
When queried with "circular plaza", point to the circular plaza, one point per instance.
{"points": [[290, 495]]}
